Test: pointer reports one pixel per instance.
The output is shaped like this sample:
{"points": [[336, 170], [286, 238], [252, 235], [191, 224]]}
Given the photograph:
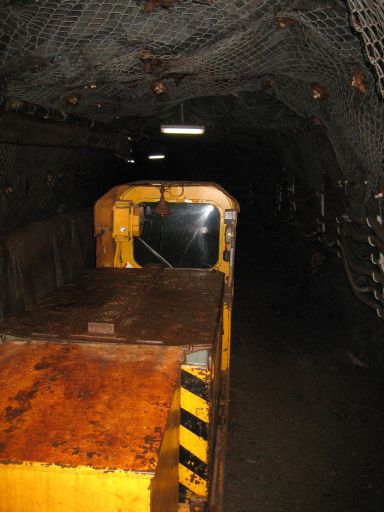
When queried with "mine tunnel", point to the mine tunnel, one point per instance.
{"points": [[289, 95]]}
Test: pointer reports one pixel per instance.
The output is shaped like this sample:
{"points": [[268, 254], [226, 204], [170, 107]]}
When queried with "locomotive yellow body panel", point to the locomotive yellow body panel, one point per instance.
{"points": [[89, 427]]}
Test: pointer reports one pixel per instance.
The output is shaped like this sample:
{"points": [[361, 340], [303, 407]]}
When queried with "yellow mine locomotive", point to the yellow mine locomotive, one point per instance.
{"points": [[114, 389]]}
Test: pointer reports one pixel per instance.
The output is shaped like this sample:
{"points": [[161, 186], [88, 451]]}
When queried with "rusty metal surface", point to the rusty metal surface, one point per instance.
{"points": [[98, 405], [40, 256], [150, 306]]}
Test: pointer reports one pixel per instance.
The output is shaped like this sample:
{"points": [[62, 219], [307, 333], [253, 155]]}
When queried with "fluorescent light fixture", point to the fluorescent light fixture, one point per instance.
{"points": [[157, 156], [182, 129]]}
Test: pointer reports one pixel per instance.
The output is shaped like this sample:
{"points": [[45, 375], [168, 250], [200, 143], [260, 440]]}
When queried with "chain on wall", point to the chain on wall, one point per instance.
{"points": [[367, 17]]}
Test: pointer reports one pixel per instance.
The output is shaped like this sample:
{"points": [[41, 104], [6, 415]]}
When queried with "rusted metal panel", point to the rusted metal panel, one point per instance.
{"points": [[150, 306], [104, 406], [37, 258], [101, 328]]}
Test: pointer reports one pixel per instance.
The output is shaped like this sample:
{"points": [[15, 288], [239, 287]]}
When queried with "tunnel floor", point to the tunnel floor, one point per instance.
{"points": [[306, 422]]}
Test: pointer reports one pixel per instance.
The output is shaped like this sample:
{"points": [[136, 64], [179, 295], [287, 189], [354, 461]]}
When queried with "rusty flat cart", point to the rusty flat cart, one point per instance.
{"points": [[146, 331]]}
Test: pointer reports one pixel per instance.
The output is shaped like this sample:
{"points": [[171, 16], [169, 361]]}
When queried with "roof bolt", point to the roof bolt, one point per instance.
{"points": [[73, 99], [266, 83], [283, 23], [358, 81], [319, 92], [316, 121], [145, 54], [151, 5], [159, 87]]}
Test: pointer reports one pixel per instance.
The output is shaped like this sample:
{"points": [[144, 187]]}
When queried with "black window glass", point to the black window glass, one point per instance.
{"points": [[187, 238]]}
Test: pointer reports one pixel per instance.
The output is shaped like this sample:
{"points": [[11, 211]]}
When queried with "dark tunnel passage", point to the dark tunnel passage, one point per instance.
{"points": [[291, 96], [306, 421], [306, 412]]}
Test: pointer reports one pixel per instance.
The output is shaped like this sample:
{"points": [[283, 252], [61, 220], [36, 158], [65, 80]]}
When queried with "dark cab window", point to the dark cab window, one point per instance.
{"points": [[187, 238]]}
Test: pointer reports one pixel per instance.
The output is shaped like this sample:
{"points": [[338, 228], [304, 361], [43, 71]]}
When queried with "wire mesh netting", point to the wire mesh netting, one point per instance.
{"points": [[36, 182], [276, 64]]}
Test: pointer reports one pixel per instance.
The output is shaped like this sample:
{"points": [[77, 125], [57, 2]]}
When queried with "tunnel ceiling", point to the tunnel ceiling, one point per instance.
{"points": [[239, 66]]}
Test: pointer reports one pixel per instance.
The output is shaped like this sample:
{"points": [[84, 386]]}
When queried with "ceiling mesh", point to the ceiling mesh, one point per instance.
{"points": [[254, 64]]}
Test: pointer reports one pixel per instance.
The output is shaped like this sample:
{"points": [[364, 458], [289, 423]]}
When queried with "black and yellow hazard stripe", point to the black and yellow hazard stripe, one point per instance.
{"points": [[194, 427]]}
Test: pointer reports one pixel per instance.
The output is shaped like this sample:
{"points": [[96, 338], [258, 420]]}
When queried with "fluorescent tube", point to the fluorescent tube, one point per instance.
{"points": [[182, 129], [157, 156]]}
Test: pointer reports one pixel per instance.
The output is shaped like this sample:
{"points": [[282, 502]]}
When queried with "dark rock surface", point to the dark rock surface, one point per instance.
{"points": [[306, 414]]}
